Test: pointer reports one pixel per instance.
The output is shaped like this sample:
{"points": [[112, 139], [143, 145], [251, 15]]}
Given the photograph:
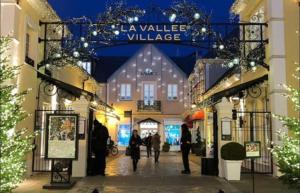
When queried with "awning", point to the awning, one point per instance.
{"points": [[198, 115], [232, 91], [73, 90]]}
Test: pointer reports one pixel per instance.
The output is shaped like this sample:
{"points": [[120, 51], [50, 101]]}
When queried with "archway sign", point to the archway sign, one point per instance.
{"points": [[77, 40]]}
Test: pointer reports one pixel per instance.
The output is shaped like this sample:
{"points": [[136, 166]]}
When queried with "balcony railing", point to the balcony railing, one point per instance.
{"points": [[149, 105]]}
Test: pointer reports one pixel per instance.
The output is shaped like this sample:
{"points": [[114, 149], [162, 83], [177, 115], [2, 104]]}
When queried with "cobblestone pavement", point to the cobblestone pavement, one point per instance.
{"points": [[164, 177]]}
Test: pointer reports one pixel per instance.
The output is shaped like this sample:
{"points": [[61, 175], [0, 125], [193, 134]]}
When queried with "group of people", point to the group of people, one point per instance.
{"points": [[101, 135], [154, 141]]}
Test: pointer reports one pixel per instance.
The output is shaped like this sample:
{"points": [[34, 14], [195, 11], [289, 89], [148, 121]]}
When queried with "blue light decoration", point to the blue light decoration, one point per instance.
{"points": [[172, 134], [123, 135]]}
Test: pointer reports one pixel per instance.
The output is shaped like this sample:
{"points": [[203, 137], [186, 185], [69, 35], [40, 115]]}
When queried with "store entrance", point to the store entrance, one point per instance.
{"points": [[148, 126]]}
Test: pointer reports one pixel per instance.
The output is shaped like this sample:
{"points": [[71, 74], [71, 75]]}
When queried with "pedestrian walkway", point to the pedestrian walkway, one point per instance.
{"points": [[164, 177]]}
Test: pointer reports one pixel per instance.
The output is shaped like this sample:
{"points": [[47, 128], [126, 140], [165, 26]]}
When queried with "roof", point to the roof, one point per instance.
{"points": [[107, 65]]}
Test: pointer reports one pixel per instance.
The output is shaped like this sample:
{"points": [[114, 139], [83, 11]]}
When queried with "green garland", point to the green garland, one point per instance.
{"points": [[14, 143], [287, 153]]}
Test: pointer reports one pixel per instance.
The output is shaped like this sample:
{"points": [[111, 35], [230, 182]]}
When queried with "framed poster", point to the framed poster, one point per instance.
{"points": [[253, 149], [226, 129], [82, 128], [62, 136]]}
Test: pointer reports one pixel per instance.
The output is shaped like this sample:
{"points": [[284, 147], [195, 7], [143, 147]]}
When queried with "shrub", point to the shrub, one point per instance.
{"points": [[233, 151]]}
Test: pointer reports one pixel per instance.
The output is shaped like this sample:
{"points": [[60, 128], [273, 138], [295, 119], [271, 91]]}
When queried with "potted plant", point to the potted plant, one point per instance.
{"points": [[166, 147], [197, 147], [233, 154]]}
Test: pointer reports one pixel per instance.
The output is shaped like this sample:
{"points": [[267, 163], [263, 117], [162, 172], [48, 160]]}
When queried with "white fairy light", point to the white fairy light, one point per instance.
{"points": [[82, 39], [94, 33], [130, 20], [221, 47], [203, 29], [136, 19], [76, 54], [85, 44], [196, 16], [172, 17], [116, 32]]}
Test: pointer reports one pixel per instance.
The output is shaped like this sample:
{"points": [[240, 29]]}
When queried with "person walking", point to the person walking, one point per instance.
{"points": [[156, 146], [185, 147], [149, 145], [99, 146], [134, 144]]}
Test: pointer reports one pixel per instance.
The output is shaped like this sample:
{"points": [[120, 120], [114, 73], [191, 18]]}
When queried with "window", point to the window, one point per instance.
{"points": [[124, 134], [149, 94], [172, 91], [125, 92], [27, 45], [87, 66]]}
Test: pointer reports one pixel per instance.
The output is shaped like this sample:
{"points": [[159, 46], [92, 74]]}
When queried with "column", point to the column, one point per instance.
{"points": [[277, 63], [79, 167], [224, 110]]}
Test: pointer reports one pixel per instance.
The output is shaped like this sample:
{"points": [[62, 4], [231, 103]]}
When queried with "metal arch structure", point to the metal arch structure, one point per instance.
{"points": [[78, 39], [234, 37]]}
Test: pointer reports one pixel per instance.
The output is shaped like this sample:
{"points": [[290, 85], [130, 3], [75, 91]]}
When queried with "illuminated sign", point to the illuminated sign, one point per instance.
{"points": [[150, 32]]}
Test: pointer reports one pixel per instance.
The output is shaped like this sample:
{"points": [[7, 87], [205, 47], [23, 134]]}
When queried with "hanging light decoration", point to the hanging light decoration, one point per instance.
{"points": [[76, 54], [196, 16], [94, 33], [172, 17]]}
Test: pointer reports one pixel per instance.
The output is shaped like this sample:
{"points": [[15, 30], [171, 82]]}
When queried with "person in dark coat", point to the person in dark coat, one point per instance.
{"points": [[186, 139], [99, 146], [156, 146], [134, 143], [149, 145]]}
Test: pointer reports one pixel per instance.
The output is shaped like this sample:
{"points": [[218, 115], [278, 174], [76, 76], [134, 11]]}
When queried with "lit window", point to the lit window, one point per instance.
{"points": [[125, 92], [172, 91], [87, 66]]}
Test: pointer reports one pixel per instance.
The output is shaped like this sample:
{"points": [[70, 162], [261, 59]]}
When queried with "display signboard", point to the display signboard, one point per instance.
{"points": [[226, 129], [62, 136], [253, 149]]}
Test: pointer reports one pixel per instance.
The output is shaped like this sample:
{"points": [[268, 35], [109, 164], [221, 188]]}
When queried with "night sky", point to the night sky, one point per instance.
{"points": [[66, 9]]}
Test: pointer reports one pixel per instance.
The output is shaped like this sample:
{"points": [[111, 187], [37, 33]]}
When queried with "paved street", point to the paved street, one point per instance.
{"points": [[164, 177]]}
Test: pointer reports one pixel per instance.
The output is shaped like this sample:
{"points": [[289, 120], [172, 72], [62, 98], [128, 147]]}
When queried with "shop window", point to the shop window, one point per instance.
{"points": [[172, 134], [125, 93], [123, 134], [172, 92]]}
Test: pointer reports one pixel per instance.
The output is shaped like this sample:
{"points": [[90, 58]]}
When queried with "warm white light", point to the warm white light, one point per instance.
{"points": [[193, 105], [221, 47], [47, 65], [57, 55], [236, 61], [68, 102], [254, 68], [113, 26], [79, 63], [203, 29], [252, 63], [196, 16], [230, 64]]}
